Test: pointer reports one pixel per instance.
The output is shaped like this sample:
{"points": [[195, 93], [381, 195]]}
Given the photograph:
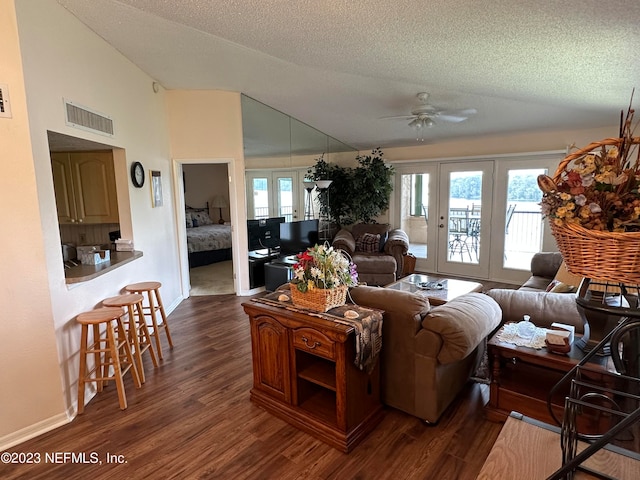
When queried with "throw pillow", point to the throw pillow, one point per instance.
{"points": [[202, 218], [189, 219], [368, 243]]}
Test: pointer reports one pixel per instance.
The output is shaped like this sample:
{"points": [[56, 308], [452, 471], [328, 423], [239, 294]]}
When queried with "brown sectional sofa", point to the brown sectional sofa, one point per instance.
{"points": [[428, 353]]}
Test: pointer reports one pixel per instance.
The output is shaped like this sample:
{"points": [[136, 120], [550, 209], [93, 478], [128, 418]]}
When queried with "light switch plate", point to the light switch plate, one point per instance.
{"points": [[5, 106]]}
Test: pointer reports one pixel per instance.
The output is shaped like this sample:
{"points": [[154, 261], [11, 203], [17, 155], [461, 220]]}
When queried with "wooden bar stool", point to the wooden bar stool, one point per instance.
{"points": [[138, 333], [152, 289], [112, 350]]}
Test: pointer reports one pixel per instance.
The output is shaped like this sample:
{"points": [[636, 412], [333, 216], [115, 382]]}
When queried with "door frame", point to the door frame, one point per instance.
{"points": [[422, 264]]}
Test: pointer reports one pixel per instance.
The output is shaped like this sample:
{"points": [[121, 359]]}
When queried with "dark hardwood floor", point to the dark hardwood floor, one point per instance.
{"points": [[192, 419]]}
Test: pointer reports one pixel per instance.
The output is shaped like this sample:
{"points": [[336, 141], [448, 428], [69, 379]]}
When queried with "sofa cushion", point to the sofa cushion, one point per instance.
{"points": [[463, 323], [368, 243], [374, 263], [543, 308]]}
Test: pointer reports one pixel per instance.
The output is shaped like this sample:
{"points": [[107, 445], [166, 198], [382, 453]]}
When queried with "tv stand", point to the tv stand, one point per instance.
{"points": [[257, 261]]}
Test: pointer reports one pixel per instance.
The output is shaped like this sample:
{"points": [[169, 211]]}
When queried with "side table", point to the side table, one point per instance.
{"points": [[521, 378], [304, 373]]}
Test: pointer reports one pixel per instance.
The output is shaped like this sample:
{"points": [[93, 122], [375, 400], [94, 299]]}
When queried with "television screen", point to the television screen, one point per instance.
{"points": [[264, 234], [296, 237]]}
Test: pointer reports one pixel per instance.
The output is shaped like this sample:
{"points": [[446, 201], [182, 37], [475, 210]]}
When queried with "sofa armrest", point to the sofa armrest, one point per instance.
{"points": [[544, 308], [397, 245], [344, 240], [462, 323]]}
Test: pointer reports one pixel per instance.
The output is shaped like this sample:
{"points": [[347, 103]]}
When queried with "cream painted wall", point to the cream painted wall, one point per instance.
{"points": [[202, 183], [538, 141], [206, 127], [63, 59], [30, 376]]}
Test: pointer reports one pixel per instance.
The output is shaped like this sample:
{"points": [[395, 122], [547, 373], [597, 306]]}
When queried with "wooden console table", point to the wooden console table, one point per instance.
{"points": [[304, 373]]}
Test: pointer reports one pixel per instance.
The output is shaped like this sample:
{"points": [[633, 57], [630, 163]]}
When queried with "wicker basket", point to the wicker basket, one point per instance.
{"points": [[318, 299], [603, 255]]}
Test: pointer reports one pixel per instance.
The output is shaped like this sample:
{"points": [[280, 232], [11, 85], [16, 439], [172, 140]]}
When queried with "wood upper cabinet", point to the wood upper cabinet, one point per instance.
{"points": [[85, 187]]}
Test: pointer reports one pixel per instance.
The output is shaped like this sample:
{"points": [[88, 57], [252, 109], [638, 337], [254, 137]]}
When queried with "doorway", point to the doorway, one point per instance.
{"points": [[206, 229]]}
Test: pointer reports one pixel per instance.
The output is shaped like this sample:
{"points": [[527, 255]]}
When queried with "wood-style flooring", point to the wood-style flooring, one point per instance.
{"points": [[192, 419]]}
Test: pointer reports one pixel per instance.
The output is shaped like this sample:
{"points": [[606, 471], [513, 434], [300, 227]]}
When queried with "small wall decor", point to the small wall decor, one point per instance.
{"points": [[156, 188]]}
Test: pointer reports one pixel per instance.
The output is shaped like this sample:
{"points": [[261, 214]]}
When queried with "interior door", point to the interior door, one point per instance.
{"points": [[464, 218]]}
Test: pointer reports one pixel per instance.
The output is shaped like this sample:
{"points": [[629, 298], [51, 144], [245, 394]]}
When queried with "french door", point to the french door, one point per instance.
{"points": [[464, 218], [275, 194], [476, 219]]}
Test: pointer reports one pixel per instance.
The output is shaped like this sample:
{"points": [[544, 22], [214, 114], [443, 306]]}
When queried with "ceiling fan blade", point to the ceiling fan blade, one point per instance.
{"points": [[452, 118], [457, 115], [405, 117]]}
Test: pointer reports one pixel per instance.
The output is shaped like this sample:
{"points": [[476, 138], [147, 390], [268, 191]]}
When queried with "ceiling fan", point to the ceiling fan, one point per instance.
{"points": [[424, 115]]}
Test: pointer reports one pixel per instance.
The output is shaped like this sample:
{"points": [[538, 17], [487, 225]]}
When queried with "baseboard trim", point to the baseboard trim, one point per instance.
{"points": [[27, 433]]}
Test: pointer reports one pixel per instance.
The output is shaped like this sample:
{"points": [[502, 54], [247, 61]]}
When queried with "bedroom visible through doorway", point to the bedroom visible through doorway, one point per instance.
{"points": [[208, 228]]}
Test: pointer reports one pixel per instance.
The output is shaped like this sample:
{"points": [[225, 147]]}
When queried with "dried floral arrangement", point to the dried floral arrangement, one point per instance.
{"points": [[597, 187]]}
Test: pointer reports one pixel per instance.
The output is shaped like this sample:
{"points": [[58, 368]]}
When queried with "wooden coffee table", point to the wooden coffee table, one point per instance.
{"points": [[439, 291], [521, 378]]}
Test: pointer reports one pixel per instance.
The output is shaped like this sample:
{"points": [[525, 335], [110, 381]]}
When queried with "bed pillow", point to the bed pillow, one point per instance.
{"points": [[189, 219], [201, 218]]}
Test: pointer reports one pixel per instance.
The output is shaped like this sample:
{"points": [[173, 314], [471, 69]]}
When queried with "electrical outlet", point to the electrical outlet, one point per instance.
{"points": [[83, 238], [5, 106]]}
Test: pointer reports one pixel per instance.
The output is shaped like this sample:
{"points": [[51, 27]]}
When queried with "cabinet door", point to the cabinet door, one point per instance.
{"points": [[270, 344], [63, 187], [95, 188]]}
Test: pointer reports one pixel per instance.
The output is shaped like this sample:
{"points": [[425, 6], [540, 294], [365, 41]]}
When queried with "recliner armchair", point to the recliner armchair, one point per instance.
{"points": [[378, 261]]}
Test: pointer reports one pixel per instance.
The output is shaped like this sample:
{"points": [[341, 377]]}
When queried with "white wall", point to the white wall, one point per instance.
{"points": [[62, 58]]}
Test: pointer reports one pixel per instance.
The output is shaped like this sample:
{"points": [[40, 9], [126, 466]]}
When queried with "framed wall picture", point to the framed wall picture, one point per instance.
{"points": [[156, 188]]}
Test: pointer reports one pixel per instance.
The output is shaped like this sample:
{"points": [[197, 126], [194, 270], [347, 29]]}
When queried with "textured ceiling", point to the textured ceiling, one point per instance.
{"points": [[340, 66]]}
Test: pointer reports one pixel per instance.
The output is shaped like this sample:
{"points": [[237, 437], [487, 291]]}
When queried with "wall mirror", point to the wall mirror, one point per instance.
{"points": [[278, 151]]}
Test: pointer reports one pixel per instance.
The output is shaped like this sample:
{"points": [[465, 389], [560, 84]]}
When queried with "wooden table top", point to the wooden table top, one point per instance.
{"points": [[530, 452], [542, 357]]}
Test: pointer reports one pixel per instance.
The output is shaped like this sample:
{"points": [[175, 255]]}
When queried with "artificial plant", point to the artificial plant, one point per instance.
{"points": [[356, 194]]}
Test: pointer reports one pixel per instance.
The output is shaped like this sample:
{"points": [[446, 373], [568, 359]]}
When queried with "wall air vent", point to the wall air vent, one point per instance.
{"points": [[86, 119]]}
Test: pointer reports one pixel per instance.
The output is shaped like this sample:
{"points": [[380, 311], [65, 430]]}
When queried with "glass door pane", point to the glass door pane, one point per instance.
{"points": [[414, 211], [260, 189], [523, 219], [285, 198], [463, 240], [417, 188]]}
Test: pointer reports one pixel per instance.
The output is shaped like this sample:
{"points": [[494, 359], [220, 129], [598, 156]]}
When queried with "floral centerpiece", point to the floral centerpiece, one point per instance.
{"points": [[593, 206], [322, 276]]}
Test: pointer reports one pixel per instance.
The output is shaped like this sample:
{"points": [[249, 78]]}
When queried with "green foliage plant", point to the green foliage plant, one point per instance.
{"points": [[356, 194]]}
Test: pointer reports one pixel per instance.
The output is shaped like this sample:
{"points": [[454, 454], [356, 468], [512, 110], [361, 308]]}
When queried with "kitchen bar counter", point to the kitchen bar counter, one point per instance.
{"points": [[83, 273]]}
